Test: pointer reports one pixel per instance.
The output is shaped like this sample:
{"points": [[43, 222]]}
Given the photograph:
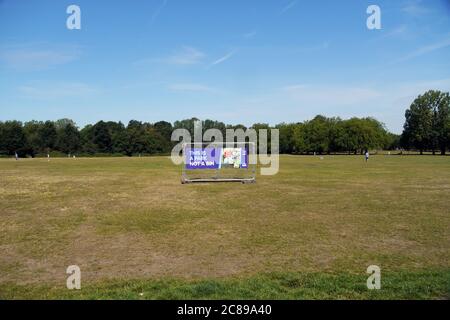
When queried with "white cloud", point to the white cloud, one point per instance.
{"points": [[224, 58], [191, 87], [158, 10], [34, 57], [185, 56], [322, 46], [50, 91], [415, 8], [407, 92], [426, 49], [289, 6], [329, 95], [398, 31]]}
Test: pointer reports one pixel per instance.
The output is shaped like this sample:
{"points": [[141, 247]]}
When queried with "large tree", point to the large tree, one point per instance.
{"points": [[441, 120], [427, 122]]}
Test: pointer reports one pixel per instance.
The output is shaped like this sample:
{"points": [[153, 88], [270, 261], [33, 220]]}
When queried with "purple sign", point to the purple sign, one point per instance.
{"points": [[203, 158], [215, 158]]}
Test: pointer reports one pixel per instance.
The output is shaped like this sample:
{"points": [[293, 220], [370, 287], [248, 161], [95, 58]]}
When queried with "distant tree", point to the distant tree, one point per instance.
{"points": [[298, 138], [212, 124], [48, 135], [355, 138], [263, 126], [68, 138], [12, 138], [321, 135], [119, 138], [448, 135], [286, 137], [334, 131], [62, 123], [187, 124], [164, 129], [316, 133], [392, 141], [32, 131], [376, 134], [102, 137], [138, 140], [157, 143]]}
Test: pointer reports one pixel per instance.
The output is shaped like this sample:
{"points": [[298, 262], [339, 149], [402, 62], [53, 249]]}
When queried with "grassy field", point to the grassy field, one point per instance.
{"points": [[310, 231]]}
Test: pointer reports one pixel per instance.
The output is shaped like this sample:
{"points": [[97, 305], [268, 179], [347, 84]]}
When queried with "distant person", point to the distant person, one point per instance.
{"points": [[367, 156], [16, 155], [48, 156]]}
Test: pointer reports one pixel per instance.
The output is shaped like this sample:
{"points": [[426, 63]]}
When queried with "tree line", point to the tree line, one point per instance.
{"points": [[427, 127]]}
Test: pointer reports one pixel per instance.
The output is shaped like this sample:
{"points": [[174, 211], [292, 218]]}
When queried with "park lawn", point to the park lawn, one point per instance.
{"points": [[310, 231]]}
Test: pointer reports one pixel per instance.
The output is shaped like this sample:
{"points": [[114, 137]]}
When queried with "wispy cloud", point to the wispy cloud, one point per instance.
{"points": [[50, 91], [186, 55], [329, 95], [224, 58], [191, 87], [142, 84], [288, 7], [321, 46], [158, 10], [32, 57], [400, 30], [425, 50], [415, 8], [404, 93]]}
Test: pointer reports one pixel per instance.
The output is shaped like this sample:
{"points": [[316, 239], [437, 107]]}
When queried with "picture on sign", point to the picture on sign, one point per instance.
{"points": [[235, 157]]}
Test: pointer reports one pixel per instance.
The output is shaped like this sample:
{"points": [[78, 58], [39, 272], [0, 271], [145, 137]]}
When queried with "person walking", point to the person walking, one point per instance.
{"points": [[367, 155], [16, 155]]}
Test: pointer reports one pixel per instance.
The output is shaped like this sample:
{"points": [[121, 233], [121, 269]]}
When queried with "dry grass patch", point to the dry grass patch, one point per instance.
{"points": [[130, 218]]}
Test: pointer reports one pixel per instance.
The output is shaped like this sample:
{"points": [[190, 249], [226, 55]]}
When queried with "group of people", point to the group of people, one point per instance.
{"points": [[17, 156]]}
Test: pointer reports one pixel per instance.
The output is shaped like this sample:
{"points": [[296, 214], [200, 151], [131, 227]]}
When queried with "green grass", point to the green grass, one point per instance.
{"points": [[397, 285], [129, 224]]}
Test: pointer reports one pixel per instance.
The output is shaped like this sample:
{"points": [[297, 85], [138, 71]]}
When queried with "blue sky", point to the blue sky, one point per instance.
{"points": [[235, 61]]}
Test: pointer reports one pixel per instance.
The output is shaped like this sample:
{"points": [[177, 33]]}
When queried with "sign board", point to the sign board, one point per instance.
{"points": [[215, 158], [225, 162]]}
